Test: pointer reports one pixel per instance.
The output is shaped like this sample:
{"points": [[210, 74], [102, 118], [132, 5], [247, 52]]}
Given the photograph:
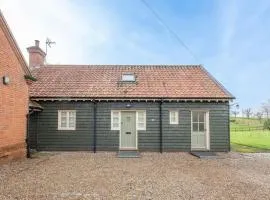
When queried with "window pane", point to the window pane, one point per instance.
{"points": [[63, 124], [115, 119], [115, 125], [63, 114], [201, 116], [173, 117], [115, 114], [141, 125], [141, 119], [195, 126], [63, 119], [201, 127], [71, 122], [195, 116], [128, 77], [141, 114]]}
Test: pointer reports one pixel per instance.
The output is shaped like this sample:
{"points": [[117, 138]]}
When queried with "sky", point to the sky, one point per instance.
{"points": [[231, 38]]}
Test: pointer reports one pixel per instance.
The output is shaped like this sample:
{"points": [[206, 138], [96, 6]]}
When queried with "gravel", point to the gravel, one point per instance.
{"points": [[84, 175]]}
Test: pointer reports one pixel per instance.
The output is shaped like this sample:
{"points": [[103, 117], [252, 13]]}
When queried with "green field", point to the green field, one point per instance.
{"points": [[247, 135], [244, 124], [251, 141]]}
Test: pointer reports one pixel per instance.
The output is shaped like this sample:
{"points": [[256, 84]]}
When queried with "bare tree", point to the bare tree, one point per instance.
{"points": [[259, 116], [235, 113], [247, 112], [266, 108]]}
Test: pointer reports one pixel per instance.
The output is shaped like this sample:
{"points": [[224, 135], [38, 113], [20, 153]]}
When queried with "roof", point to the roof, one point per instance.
{"points": [[13, 44], [34, 106], [104, 81]]}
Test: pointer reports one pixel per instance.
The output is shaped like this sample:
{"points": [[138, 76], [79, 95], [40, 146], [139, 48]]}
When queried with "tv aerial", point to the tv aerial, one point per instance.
{"points": [[49, 43]]}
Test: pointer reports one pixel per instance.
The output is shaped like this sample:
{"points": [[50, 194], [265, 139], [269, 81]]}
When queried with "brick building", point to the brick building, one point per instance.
{"points": [[14, 97]]}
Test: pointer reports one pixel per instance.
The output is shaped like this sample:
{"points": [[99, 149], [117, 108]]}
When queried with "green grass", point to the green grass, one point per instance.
{"points": [[250, 141], [247, 135], [244, 124]]}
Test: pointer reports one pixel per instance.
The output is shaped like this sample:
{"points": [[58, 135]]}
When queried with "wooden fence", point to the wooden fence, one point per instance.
{"points": [[260, 128]]}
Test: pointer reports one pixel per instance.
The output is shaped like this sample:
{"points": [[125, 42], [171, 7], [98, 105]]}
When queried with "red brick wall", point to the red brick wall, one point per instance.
{"points": [[13, 103]]}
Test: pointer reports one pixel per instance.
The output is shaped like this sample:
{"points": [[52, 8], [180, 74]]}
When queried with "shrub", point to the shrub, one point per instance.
{"points": [[266, 124]]}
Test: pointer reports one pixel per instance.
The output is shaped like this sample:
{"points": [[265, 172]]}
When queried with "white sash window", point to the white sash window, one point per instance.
{"points": [[115, 120], [141, 120], [173, 117], [66, 119]]}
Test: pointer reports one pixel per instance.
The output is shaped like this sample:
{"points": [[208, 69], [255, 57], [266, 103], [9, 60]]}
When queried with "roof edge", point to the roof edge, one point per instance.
{"points": [[217, 83], [13, 43], [121, 65], [133, 98]]}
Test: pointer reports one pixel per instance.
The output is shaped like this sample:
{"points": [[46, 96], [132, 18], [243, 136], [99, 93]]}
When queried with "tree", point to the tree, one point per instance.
{"points": [[247, 112], [266, 108], [259, 116], [267, 124], [235, 113]]}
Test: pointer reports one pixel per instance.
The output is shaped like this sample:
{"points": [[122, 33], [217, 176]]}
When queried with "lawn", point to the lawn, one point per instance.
{"points": [[250, 141], [244, 124]]}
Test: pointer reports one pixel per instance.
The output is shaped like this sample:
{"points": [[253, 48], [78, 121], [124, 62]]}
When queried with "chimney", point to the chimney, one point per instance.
{"points": [[36, 56]]}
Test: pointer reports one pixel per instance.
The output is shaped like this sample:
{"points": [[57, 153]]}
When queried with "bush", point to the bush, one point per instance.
{"points": [[266, 124]]}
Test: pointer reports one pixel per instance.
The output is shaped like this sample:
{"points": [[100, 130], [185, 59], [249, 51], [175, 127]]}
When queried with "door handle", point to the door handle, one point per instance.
{"points": [[128, 132]]}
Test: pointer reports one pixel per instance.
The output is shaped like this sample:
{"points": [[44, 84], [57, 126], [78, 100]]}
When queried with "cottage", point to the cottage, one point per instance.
{"points": [[128, 107], [13, 96]]}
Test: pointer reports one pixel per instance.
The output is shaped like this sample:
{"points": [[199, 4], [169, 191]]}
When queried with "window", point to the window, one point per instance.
{"points": [[174, 117], [66, 119], [198, 121], [115, 120], [128, 77], [141, 120]]}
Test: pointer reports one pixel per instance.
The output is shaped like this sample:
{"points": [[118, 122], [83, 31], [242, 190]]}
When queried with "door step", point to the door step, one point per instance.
{"points": [[128, 154], [204, 154]]}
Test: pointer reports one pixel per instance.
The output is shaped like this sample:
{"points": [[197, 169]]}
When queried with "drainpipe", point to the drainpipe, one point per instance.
{"points": [[28, 154], [95, 126], [160, 127]]}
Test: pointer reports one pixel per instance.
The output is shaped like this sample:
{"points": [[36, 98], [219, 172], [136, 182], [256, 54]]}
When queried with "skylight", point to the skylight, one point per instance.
{"points": [[128, 77]]}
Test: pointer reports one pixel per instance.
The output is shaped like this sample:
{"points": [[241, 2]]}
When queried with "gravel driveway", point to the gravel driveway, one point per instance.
{"points": [[83, 175]]}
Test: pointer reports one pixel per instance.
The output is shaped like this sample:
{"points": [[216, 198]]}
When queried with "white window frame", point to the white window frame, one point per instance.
{"points": [[144, 120], [119, 120], [176, 117], [68, 125]]}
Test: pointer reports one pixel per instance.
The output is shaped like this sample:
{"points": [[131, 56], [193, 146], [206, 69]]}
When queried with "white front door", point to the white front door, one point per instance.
{"points": [[200, 130], [128, 130]]}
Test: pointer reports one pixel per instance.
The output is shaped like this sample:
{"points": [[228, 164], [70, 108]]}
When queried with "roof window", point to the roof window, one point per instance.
{"points": [[128, 77]]}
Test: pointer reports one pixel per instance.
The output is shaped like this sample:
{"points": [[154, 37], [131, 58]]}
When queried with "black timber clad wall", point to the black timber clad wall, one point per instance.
{"points": [[108, 139], [33, 130], [175, 137], [49, 138]]}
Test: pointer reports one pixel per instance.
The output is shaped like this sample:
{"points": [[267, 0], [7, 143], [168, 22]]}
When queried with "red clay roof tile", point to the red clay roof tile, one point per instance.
{"points": [[101, 81]]}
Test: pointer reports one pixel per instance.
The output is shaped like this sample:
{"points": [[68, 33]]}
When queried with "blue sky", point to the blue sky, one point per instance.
{"points": [[230, 38]]}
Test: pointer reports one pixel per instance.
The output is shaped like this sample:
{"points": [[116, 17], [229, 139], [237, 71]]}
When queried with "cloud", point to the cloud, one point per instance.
{"points": [[231, 38], [74, 28]]}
